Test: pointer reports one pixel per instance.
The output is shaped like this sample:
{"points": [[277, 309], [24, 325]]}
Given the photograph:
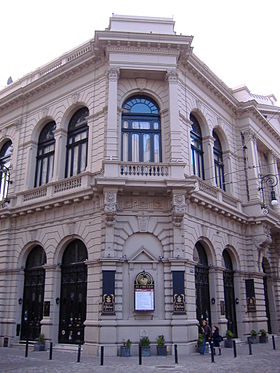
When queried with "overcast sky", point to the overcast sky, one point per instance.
{"points": [[238, 40]]}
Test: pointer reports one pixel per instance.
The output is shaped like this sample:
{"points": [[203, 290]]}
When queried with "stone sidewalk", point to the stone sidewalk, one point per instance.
{"points": [[263, 360]]}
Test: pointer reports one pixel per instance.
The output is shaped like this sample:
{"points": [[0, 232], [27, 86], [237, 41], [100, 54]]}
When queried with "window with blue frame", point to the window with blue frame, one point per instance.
{"points": [[141, 130], [5, 163], [196, 148], [218, 162]]}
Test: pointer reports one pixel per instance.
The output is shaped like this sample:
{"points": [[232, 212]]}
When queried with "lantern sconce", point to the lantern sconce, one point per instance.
{"points": [[213, 300], [20, 301], [236, 300], [57, 301]]}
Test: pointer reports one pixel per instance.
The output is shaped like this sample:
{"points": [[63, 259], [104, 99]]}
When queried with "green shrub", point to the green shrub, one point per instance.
{"points": [[127, 343], [263, 332], [41, 338], [145, 342], [160, 340], [229, 334], [253, 333]]}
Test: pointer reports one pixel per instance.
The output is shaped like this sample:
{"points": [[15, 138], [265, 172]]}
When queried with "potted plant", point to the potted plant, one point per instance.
{"points": [[199, 342], [161, 347], [228, 341], [41, 344], [263, 336], [145, 344], [125, 348], [253, 336]]}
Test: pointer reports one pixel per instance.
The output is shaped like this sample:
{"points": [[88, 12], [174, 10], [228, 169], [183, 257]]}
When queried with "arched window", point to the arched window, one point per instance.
{"points": [[218, 162], [73, 294], [141, 132], [33, 294], [5, 162], [196, 148], [45, 155], [77, 143]]}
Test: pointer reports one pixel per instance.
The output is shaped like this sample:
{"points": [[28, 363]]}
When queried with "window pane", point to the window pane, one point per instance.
{"points": [[51, 161], [135, 125], [146, 148], [156, 149], [125, 147], [135, 148], [75, 160], [83, 157], [144, 125], [125, 124], [44, 170]]}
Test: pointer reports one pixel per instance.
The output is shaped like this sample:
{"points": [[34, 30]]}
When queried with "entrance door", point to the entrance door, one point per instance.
{"points": [[202, 286], [229, 294], [73, 294], [265, 267], [33, 294]]}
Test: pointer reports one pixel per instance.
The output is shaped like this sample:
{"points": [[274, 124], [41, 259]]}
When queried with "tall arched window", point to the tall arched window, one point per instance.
{"points": [[202, 284], [73, 295], [45, 155], [5, 162], [77, 143], [33, 294], [141, 132], [228, 277], [196, 148], [218, 162]]}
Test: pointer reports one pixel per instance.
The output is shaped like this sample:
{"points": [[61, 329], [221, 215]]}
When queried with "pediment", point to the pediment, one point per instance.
{"points": [[143, 256]]}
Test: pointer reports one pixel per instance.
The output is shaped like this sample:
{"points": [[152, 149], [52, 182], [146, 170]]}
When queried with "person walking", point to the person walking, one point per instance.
{"points": [[206, 331], [217, 339]]}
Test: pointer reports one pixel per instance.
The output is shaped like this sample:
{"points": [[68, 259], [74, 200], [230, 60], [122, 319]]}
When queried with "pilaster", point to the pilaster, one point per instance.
{"points": [[112, 124]]}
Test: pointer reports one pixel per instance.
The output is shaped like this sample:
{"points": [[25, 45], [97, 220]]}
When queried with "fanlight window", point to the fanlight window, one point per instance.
{"points": [[45, 155], [141, 131], [196, 148], [5, 162], [77, 143], [218, 162]]}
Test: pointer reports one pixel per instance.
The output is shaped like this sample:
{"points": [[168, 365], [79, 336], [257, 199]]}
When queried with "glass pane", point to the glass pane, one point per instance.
{"points": [[135, 148], [51, 161], [69, 157], [146, 148], [135, 125], [156, 126], [144, 125], [125, 124], [83, 157], [44, 170], [75, 160], [156, 149], [125, 147]]}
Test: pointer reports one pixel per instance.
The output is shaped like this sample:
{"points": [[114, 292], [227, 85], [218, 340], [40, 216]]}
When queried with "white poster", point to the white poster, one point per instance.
{"points": [[144, 299]]}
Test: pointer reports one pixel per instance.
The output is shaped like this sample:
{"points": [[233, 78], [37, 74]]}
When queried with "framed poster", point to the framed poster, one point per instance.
{"points": [[144, 292]]}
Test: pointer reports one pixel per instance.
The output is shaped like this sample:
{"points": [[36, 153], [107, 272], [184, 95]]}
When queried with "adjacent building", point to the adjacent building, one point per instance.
{"points": [[136, 192]]}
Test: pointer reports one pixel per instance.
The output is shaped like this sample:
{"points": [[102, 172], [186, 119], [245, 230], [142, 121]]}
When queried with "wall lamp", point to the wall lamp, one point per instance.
{"points": [[271, 181], [57, 301], [20, 301], [213, 300], [236, 300]]}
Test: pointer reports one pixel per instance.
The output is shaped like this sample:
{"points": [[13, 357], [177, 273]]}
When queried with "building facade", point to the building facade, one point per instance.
{"points": [[136, 193]]}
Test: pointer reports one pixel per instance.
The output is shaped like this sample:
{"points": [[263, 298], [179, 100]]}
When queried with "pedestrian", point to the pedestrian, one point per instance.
{"points": [[217, 339], [206, 331]]}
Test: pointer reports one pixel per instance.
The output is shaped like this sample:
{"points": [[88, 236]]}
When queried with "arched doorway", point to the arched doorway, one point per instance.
{"points": [[33, 294], [73, 295], [266, 270], [229, 295], [202, 284]]}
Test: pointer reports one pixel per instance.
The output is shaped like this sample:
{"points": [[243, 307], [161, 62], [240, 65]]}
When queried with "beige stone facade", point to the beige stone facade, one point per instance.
{"points": [[135, 216]]}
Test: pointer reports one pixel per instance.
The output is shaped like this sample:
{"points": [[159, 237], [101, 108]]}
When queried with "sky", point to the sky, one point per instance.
{"points": [[238, 40]]}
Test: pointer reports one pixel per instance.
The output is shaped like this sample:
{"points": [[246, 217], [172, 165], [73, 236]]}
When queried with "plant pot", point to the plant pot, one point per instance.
{"points": [[39, 347], [146, 351], [228, 343], [161, 350], [252, 339], [263, 339], [125, 351]]}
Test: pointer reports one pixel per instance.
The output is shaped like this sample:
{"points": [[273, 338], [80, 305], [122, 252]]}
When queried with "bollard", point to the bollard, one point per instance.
{"points": [[140, 354], [212, 352], [273, 342], [26, 348], [250, 348], [234, 348], [102, 355], [79, 354], [176, 354], [51, 346]]}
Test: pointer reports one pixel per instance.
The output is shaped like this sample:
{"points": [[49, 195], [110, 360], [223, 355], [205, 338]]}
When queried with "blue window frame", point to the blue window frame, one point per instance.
{"points": [[196, 148], [218, 162]]}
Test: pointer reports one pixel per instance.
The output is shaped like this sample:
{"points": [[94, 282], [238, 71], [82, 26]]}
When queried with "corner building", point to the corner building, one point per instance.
{"points": [[136, 194]]}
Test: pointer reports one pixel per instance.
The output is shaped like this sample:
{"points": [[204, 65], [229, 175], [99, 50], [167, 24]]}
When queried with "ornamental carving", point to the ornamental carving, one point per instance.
{"points": [[113, 74], [262, 236], [171, 76], [143, 223], [179, 207], [110, 206]]}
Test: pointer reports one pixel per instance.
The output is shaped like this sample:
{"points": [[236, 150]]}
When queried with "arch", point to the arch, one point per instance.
{"points": [[201, 119], [77, 143], [222, 138], [62, 245], [233, 257], [208, 248], [140, 130], [69, 112], [38, 128]]}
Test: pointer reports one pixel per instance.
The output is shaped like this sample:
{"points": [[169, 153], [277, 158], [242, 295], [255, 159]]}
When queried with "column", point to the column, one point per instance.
{"points": [[175, 133], [30, 165], [251, 154], [60, 136], [112, 124], [208, 159]]}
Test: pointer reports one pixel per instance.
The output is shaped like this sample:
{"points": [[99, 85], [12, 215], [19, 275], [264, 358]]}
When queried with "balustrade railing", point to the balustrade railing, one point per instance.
{"points": [[143, 169]]}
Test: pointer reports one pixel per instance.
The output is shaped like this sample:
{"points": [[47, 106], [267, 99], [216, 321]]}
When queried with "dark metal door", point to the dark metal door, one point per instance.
{"points": [[33, 298], [267, 310], [230, 301], [202, 294], [73, 303]]}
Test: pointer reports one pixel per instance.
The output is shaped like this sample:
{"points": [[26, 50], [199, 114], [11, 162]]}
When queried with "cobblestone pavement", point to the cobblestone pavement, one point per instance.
{"points": [[263, 360]]}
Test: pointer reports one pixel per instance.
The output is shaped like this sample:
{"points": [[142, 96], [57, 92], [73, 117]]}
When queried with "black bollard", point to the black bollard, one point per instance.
{"points": [[102, 355], [79, 354], [51, 345], [234, 348], [140, 355], [273, 342], [250, 348], [212, 352], [176, 354], [26, 348]]}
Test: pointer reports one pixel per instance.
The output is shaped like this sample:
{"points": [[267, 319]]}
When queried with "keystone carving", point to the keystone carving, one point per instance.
{"points": [[179, 207], [113, 74], [110, 206]]}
